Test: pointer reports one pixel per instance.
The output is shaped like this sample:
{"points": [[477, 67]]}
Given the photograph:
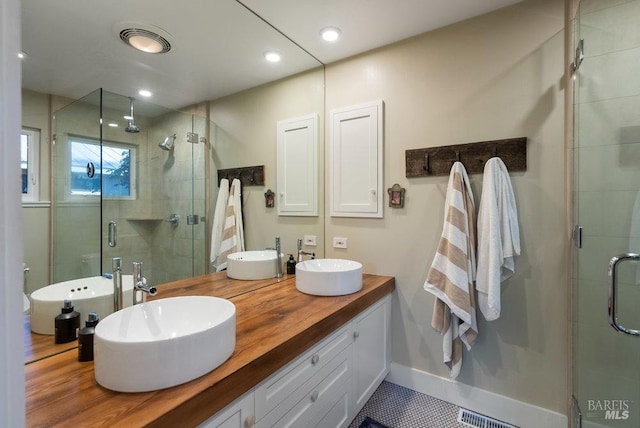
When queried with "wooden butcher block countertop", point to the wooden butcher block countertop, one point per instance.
{"points": [[274, 324]]}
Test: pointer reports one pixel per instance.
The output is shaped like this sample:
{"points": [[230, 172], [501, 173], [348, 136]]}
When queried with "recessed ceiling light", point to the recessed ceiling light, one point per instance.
{"points": [[272, 56], [22, 55], [144, 93], [330, 34], [143, 37], [113, 125]]}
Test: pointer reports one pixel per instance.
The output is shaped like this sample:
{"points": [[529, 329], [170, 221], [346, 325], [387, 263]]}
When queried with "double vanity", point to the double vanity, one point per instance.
{"points": [[299, 360]]}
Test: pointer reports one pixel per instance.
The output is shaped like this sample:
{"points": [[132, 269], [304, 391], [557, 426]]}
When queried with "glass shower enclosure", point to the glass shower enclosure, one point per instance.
{"points": [[606, 360], [117, 193]]}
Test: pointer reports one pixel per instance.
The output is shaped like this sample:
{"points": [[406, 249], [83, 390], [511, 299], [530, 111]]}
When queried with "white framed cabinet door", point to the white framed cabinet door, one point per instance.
{"points": [[297, 166], [371, 351], [356, 156], [239, 414]]}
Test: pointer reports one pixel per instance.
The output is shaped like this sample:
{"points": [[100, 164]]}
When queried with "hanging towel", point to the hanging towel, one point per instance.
{"points": [[452, 272], [219, 218], [232, 233], [498, 236]]}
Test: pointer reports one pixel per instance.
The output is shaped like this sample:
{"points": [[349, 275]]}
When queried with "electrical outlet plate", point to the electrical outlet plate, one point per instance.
{"points": [[339, 242], [310, 240]]}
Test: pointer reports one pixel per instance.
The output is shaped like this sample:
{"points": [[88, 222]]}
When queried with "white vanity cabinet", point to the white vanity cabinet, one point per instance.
{"points": [[371, 348], [326, 386], [239, 414]]}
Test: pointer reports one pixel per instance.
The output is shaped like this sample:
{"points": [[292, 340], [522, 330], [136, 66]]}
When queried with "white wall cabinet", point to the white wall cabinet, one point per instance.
{"points": [[356, 156], [297, 166], [326, 386]]}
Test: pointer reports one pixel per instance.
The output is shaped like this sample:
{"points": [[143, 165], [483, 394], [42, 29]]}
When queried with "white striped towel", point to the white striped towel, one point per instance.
{"points": [[498, 236], [453, 270], [219, 218], [232, 233]]}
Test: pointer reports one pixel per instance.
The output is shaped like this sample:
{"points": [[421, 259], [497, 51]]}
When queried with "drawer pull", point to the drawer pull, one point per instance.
{"points": [[249, 421], [314, 396], [314, 359], [356, 334]]}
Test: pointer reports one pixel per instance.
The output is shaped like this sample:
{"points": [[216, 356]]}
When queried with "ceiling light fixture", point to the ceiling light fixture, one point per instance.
{"points": [[330, 34], [272, 56], [143, 37], [145, 93]]}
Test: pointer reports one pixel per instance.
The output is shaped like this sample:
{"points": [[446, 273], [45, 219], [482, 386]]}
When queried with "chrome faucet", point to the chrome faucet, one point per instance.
{"points": [[140, 284], [278, 258], [302, 253], [116, 266]]}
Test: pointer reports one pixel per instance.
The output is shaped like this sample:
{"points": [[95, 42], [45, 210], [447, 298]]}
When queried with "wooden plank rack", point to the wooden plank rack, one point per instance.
{"points": [[248, 175], [439, 160]]}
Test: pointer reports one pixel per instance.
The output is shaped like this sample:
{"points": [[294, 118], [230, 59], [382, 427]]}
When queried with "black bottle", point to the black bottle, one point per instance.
{"points": [[67, 324], [85, 338], [291, 265]]}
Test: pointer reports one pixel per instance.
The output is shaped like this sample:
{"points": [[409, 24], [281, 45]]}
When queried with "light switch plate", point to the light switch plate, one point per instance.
{"points": [[310, 240], [339, 242]]}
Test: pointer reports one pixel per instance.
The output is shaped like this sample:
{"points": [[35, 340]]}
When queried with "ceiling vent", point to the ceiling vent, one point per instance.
{"points": [[143, 37]]}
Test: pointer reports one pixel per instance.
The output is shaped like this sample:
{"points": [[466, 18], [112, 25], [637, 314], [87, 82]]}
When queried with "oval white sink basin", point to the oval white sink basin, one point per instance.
{"points": [[93, 294], [163, 343], [252, 265], [329, 277]]}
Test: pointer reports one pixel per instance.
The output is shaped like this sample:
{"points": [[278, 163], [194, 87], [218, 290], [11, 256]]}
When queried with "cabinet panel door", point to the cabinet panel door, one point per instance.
{"points": [[356, 155], [238, 414], [370, 351], [297, 170]]}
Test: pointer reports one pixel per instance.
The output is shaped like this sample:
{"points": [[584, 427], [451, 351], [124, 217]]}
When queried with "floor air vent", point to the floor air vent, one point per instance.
{"points": [[471, 419]]}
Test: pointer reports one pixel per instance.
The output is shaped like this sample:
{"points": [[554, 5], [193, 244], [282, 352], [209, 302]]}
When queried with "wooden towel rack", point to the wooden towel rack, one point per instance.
{"points": [[248, 175], [438, 160]]}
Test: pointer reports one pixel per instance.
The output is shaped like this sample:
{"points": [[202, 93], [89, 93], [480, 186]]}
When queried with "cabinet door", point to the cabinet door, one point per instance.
{"points": [[370, 351], [239, 414], [356, 155]]}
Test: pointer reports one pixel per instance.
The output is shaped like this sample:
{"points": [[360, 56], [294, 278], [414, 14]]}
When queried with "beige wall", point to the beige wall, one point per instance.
{"points": [[492, 77], [244, 134]]}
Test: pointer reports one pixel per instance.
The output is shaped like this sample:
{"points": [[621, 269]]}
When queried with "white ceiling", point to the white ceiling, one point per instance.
{"points": [[218, 45]]}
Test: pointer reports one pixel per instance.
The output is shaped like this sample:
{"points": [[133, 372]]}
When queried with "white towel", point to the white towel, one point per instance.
{"points": [[452, 272], [232, 233], [218, 221], [498, 236]]}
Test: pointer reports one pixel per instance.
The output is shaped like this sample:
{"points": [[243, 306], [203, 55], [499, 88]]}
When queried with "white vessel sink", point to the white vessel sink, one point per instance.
{"points": [[164, 342], [329, 277], [93, 294], [252, 265]]}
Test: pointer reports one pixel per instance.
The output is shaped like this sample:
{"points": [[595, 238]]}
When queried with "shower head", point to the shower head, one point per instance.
{"points": [[167, 143], [131, 126]]}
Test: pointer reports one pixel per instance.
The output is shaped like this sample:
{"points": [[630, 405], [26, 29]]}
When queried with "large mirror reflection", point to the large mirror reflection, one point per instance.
{"points": [[116, 175]]}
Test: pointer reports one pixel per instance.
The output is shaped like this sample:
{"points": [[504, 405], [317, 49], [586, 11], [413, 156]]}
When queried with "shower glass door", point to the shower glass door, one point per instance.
{"points": [[606, 369]]}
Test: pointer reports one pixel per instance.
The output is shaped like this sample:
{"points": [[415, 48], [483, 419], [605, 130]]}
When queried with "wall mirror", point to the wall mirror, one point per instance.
{"points": [[238, 120]]}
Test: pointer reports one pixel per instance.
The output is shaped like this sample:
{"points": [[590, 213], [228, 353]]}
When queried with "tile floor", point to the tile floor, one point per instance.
{"points": [[399, 407]]}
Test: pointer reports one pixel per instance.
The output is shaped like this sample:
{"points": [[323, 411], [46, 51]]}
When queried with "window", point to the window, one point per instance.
{"points": [[117, 175], [29, 156]]}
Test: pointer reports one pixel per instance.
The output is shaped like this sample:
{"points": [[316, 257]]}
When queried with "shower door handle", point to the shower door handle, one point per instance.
{"points": [[613, 316], [113, 233]]}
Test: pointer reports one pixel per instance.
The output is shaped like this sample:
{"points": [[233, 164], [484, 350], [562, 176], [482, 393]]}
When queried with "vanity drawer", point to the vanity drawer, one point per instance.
{"points": [[274, 391], [321, 401]]}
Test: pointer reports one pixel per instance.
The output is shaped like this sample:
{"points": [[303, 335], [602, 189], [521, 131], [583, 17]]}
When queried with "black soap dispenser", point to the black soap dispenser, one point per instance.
{"points": [[67, 324], [291, 265], [85, 338]]}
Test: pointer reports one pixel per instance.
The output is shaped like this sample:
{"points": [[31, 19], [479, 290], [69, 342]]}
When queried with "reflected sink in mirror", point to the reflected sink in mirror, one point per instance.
{"points": [[163, 343], [329, 277], [252, 265], [93, 294]]}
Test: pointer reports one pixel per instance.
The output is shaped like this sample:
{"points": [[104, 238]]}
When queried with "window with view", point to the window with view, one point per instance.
{"points": [[29, 156], [116, 176]]}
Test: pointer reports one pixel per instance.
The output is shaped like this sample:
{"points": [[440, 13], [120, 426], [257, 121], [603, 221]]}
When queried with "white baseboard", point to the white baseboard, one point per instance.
{"points": [[478, 400]]}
